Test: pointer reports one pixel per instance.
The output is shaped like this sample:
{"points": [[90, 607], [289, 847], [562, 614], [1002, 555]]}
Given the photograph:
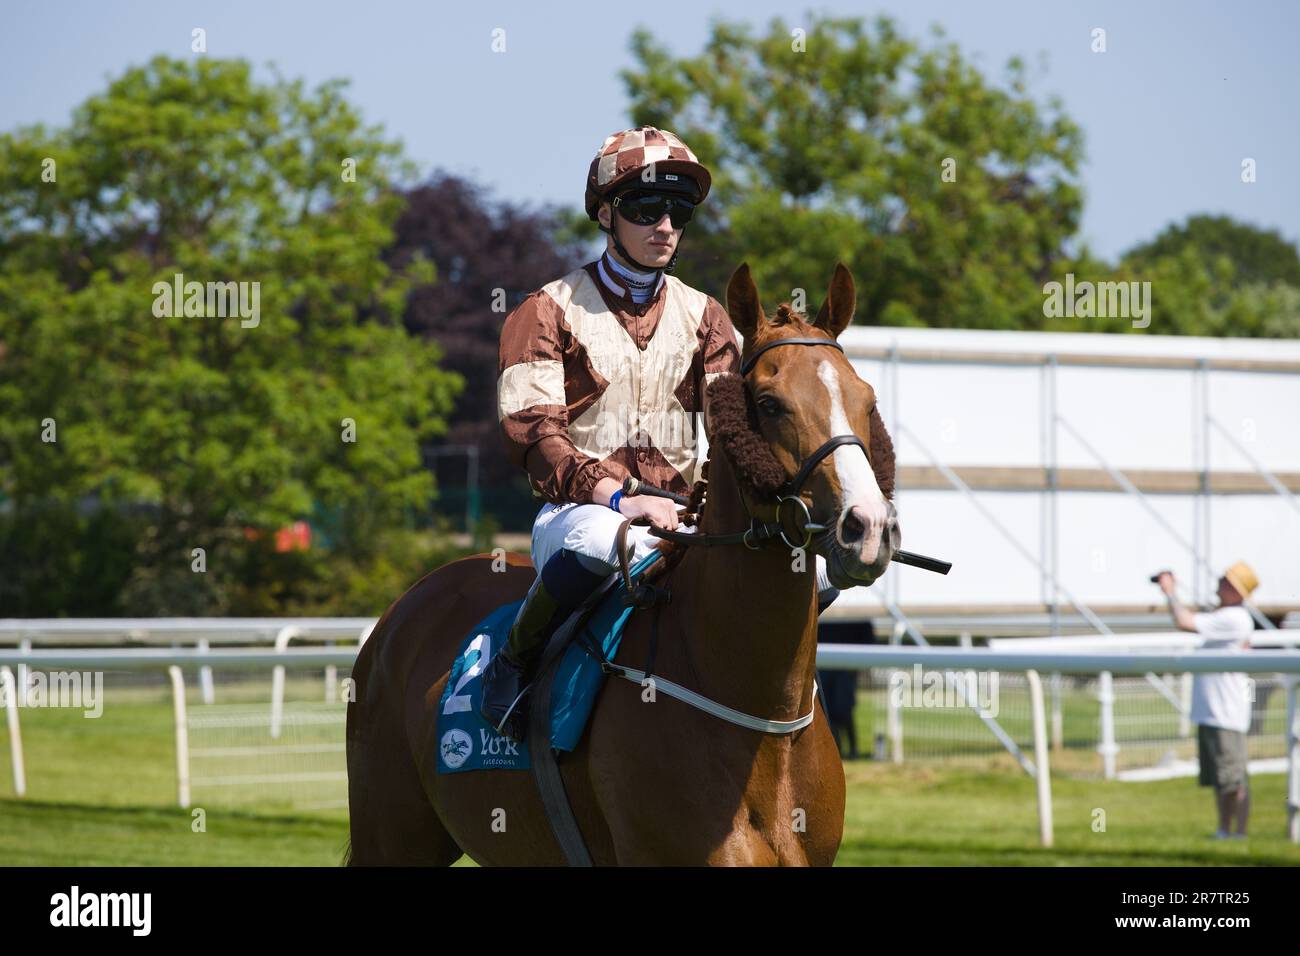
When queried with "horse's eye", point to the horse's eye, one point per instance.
{"points": [[770, 407]]}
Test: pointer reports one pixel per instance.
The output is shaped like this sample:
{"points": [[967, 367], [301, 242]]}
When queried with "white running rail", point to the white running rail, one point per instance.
{"points": [[829, 656]]}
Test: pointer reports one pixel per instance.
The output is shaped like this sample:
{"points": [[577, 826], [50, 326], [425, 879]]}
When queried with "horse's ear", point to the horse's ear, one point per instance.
{"points": [[742, 303], [841, 299]]}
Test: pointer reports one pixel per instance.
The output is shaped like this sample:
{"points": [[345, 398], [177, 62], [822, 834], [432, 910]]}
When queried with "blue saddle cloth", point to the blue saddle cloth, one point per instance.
{"points": [[468, 742]]}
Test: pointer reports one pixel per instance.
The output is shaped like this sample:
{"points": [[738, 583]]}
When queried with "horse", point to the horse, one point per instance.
{"points": [[655, 781]]}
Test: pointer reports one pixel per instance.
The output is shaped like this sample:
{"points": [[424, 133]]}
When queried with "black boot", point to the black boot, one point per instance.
{"points": [[509, 673], [505, 705]]}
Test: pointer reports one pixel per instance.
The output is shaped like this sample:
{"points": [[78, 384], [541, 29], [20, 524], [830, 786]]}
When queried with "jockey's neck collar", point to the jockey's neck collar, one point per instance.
{"points": [[627, 283]]}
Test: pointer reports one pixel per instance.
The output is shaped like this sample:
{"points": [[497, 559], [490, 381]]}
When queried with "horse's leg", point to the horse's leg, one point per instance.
{"points": [[392, 821]]}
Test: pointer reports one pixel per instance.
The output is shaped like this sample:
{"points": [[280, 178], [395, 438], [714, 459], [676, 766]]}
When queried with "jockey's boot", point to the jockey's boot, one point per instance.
{"points": [[825, 598], [563, 584]]}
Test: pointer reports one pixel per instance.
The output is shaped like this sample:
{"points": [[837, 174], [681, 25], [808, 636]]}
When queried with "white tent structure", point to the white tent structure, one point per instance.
{"points": [[1058, 471]]}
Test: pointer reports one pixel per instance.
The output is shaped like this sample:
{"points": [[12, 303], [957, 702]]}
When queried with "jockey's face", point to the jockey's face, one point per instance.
{"points": [[650, 245]]}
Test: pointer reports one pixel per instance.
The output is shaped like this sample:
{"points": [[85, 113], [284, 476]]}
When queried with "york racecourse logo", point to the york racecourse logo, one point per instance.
{"points": [[102, 909]]}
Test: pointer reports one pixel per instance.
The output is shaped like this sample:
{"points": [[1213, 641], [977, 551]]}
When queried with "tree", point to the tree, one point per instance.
{"points": [[1255, 255], [210, 429], [1215, 276], [1197, 286], [833, 145]]}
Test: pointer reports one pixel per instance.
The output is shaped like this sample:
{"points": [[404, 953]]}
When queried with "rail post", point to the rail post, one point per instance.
{"points": [[182, 736], [1043, 777], [1292, 760], [1107, 748], [10, 692], [282, 639]]}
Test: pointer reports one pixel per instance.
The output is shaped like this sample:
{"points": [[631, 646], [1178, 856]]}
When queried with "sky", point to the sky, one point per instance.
{"points": [[1184, 91]]}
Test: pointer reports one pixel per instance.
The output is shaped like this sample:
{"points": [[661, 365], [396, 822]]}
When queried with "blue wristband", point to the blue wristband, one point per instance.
{"points": [[615, 498]]}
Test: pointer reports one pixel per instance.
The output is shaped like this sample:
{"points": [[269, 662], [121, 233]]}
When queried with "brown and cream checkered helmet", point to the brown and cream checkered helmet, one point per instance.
{"points": [[623, 156]]}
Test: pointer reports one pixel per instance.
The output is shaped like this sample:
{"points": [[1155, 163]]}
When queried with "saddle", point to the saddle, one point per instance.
{"points": [[570, 675]]}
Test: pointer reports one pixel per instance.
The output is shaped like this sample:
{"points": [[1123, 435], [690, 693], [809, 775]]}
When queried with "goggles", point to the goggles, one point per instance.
{"points": [[645, 208]]}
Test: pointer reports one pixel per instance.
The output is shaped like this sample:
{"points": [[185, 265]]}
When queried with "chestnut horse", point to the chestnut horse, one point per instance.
{"points": [[658, 781]]}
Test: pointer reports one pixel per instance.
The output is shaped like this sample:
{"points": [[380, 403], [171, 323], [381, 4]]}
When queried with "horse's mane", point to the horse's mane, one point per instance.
{"points": [[734, 428]]}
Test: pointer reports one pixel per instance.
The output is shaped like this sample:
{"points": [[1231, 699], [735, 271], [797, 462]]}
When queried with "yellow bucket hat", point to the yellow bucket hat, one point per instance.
{"points": [[1241, 577]]}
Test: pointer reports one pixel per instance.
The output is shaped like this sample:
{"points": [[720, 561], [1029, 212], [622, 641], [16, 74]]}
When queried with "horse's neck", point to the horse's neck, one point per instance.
{"points": [[752, 625]]}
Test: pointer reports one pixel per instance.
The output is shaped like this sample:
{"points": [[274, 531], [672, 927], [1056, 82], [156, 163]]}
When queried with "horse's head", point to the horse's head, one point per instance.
{"points": [[791, 401]]}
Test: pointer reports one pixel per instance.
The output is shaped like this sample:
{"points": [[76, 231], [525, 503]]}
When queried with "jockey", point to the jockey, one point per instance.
{"points": [[602, 375]]}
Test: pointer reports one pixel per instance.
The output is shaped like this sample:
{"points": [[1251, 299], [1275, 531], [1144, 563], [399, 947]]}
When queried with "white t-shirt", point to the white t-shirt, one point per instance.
{"points": [[1223, 700]]}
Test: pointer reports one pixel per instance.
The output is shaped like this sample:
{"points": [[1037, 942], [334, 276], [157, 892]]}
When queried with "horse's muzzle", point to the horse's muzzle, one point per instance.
{"points": [[861, 552]]}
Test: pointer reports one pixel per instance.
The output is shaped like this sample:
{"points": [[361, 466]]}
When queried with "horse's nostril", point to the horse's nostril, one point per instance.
{"points": [[853, 526]]}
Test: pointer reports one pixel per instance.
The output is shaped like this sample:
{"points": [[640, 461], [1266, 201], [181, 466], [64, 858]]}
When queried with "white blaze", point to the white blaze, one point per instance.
{"points": [[858, 487]]}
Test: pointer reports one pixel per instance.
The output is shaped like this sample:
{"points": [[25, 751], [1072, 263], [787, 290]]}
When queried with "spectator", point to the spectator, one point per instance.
{"points": [[840, 688], [1221, 702]]}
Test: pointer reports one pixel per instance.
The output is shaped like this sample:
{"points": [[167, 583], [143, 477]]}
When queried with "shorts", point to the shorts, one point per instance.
{"points": [[591, 530], [1223, 757]]}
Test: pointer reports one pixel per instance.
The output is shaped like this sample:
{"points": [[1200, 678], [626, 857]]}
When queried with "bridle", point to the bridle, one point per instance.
{"points": [[794, 524]]}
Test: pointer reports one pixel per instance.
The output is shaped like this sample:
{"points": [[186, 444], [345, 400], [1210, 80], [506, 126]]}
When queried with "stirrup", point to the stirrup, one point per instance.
{"points": [[505, 719]]}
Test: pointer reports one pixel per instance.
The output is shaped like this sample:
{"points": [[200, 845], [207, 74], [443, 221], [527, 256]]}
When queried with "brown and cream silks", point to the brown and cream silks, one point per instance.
{"points": [[591, 385]]}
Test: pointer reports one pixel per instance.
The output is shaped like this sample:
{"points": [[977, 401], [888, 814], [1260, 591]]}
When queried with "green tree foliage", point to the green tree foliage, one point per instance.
{"points": [[1212, 276], [1215, 276], [1256, 256], [197, 431], [836, 152]]}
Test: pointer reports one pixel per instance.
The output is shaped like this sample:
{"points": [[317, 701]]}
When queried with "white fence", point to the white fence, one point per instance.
{"points": [[56, 631], [1033, 662], [274, 717], [1147, 718], [830, 656], [223, 734], [29, 633]]}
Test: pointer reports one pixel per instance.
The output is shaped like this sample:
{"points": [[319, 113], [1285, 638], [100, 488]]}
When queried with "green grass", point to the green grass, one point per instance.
{"points": [[925, 816], [35, 833], [103, 792]]}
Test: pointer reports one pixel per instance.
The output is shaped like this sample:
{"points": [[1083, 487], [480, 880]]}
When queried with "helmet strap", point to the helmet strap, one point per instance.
{"points": [[672, 263], [622, 250]]}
